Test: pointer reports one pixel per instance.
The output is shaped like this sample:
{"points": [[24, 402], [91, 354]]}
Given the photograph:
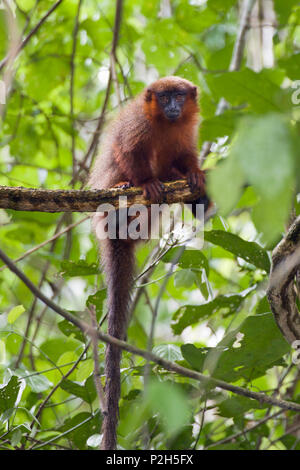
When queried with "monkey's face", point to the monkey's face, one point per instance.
{"points": [[171, 103]]}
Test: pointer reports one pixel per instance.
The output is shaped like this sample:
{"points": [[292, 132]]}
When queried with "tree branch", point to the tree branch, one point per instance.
{"points": [[47, 200], [148, 355]]}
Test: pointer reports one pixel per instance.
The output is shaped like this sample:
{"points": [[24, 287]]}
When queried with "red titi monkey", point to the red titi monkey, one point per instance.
{"points": [[154, 139]]}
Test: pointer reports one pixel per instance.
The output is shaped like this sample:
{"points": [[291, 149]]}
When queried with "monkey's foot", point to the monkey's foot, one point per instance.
{"points": [[174, 175], [196, 180], [153, 190], [123, 185]]}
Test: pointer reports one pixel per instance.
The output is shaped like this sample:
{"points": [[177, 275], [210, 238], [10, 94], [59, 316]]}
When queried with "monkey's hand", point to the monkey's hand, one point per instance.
{"points": [[152, 189], [196, 180], [123, 185]]}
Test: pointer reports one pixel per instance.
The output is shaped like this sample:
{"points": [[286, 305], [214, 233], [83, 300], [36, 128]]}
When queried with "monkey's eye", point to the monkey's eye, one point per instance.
{"points": [[164, 99], [179, 98]]}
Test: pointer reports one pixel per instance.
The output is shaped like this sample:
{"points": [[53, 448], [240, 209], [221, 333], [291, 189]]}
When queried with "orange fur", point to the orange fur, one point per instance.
{"points": [[143, 148]]}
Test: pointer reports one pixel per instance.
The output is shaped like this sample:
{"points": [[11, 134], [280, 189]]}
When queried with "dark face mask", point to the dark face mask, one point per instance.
{"points": [[171, 103]]}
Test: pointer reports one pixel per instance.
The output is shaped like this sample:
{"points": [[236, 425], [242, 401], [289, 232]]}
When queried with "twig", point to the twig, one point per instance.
{"points": [[96, 375], [244, 431], [72, 78], [31, 33], [45, 401], [41, 245], [239, 44], [149, 356]]}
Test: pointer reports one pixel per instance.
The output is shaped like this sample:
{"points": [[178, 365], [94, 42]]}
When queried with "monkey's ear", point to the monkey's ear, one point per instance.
{"points": [[194, 91], [148, 95]]}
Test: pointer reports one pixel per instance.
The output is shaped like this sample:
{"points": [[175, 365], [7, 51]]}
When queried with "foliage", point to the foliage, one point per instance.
{"points": [[212, 315]]}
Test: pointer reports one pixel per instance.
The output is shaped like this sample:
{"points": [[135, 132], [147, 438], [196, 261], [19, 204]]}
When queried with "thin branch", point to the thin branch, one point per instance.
{"points": [[149, 356], [41, 245], [92, 148], [233, 437], [51, 393], [239, 45], [96, 374], [31, 33], [72, 78]]}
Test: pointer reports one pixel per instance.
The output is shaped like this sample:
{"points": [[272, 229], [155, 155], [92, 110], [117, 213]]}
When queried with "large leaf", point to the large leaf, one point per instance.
{"points": [[238, 405], [263, 154], [169, 401], [291, 65], [246, 352], [258, 90], [188, 259], [80, 427], [249, 251], [87, 391], [193, 18], [191, 314], [9, 394], [79, 268], [218, 126]]}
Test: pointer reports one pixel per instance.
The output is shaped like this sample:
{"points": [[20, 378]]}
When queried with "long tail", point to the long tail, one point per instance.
{"points": [[118, 263]]}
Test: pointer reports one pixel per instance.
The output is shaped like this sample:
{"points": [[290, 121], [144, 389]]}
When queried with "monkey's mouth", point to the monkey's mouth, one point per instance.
{"points": [[173, 116]]}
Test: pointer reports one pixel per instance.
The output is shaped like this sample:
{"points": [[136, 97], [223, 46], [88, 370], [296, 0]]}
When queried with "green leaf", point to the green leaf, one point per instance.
{"points": [[55, 347], [15, 313], [169, 401], [38, 383], [235, 406], [80, 427], [184, 278], [69, 329], [222, 5], [263, 154], [87, 391], [218, 126], [249, 251], [195, 19], [16, 437], [171, 352], [9, 394], [196, 357], [246, 352], [291, 65], [228, 176], [191, 314], [266, 150], [26, 5], [97, 300], [259, 90], [189, 258], [79, 268], [284, 9]]}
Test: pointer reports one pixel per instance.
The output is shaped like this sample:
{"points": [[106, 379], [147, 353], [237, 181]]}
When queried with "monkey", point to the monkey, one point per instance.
{"points": [[152, 140]]}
